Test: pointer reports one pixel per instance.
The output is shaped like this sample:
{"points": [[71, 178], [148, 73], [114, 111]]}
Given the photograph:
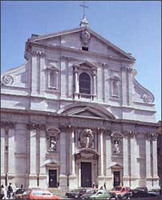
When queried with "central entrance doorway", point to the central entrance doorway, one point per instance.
{"points": [[53, 178], [86, 174]]}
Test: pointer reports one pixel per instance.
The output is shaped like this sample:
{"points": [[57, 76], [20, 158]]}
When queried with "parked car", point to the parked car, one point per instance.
{"points": [[142, 189], [18, 193], [139, 194], [38, 193], [77, 193], [88, 194], [104, 194], [120, 191]]}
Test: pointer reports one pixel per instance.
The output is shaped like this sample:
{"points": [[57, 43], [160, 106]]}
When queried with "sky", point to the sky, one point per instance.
{"points": [[133, 26]]}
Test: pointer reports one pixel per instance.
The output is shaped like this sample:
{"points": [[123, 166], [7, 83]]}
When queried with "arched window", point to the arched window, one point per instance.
{"points": [[84, 83]]}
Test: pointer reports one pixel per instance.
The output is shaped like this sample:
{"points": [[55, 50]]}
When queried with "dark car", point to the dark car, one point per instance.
{"points": [[138, 194], [142, 189], [18, 193], [77, 193]]}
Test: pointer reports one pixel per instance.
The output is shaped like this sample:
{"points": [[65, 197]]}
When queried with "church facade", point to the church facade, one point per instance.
{"points": [[75, 116]]}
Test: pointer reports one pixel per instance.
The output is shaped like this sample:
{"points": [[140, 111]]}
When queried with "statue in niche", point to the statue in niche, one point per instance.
{"points": [[53, 143], [86, 138], [116, 148]]}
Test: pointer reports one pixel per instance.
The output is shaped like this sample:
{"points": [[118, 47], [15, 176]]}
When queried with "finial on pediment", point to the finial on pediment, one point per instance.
{"points": [[84, 21]]}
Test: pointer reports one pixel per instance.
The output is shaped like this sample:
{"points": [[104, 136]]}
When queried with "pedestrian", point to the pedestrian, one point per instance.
{"points": [[10, 191], [104, 185], [2, 192]]}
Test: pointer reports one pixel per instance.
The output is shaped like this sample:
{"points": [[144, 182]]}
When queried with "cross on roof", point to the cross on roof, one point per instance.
{"points": [[84, 7]]}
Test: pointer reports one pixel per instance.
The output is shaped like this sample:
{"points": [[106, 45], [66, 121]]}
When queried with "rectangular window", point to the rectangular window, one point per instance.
{"points": [[84, 48], [53, 80]]}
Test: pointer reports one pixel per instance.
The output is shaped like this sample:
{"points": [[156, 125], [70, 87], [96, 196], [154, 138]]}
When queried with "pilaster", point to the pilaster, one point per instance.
{"points": [[63, 176], [34, 154], [101, 177], [130, 86], [108, 177], [72, 176], [2, 152], [125, 161], [133, 146], [124, 87], [148, 162], [155, 166], [42, 73]]}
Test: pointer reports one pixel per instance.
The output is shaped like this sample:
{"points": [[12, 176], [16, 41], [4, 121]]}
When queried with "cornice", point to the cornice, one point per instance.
{"points": [[90, 53], [44, 113]]}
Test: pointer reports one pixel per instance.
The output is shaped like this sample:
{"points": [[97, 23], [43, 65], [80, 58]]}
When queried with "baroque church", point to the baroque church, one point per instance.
{"points": [[74, 116]]}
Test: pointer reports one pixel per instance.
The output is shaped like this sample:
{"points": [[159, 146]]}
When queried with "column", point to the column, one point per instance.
{"points": [[155, 166], [72, 176], [108, 177], [124, 88], [101, 177], [42, 170], [148, 164], [33, 161], [63, 177], [125, 162]]}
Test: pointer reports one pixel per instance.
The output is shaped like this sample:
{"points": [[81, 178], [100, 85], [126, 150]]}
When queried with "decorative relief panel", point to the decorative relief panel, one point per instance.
{"points": [[85, 37], [85, 138]]}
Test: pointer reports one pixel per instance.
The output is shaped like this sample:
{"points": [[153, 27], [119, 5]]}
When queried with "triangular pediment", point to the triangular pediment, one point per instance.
{"points": [[70, 38], [86, 64], [86, 111]]}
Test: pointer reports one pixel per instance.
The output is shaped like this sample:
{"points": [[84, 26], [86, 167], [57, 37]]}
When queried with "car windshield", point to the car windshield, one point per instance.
{"points": [[76, 190], [118, 188], [91, 192]]}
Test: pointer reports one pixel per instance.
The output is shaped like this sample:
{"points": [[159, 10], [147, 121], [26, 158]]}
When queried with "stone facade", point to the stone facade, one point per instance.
{"points": [[75, 116]]}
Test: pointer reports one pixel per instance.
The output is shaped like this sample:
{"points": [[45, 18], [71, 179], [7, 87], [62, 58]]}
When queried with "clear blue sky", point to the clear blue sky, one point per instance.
{"points": [[134, 26]]}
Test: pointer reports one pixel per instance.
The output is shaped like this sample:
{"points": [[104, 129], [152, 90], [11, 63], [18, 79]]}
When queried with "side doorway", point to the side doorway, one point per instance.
{"points": [[53, 178], [116, 181]]}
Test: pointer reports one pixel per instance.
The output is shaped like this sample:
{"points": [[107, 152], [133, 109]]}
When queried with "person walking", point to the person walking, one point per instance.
{"points": [[2, 192], [10, 191]]}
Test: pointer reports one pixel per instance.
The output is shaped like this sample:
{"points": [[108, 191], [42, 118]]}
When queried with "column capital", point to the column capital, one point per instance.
{"points": [[36, 126], [130, 69], [130, 133], [7, 125], [151, 136]]}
